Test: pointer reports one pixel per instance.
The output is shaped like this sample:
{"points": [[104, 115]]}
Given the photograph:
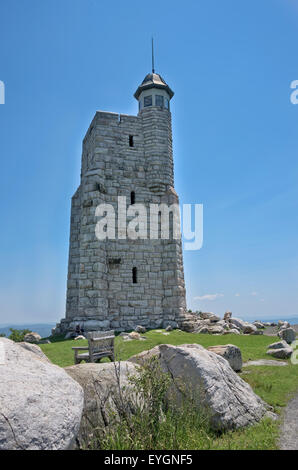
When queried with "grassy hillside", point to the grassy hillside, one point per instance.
{"points": [[274, 384]]}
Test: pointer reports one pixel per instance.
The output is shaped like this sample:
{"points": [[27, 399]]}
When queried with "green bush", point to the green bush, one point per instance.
{"points": [[149, 422], [18, 335]]}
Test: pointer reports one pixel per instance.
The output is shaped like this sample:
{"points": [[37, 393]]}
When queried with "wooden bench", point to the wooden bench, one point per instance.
{"points": [[100, 344]]}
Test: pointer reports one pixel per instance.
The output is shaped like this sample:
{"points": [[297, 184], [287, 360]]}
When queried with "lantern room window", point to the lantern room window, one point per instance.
{"points": [[159, 100], [147, 101]]}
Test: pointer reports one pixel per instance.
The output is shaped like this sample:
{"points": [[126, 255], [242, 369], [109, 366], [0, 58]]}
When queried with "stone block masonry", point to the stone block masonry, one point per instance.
{"points": [[122, 283]]}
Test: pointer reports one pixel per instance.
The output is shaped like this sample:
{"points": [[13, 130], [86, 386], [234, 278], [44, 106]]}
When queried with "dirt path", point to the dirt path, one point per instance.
{"points": [[289, 429]]}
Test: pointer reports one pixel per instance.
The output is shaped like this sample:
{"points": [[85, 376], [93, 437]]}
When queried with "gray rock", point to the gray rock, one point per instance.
{"points": [[265, 362], [257, 332], [231, 353], [287, 334], [258, 324], [233, 331], [134, 335], [278, 345], [216, 330], [140, 329], [209, 316], [245, 327], [224, 324], [227, 315], [32, 337], [40, 405], [35, 350], [211, 382], [106, 389], [283, 353], [283, 324], [169, 328], [203, 330], [250, 329], [238, 323]]}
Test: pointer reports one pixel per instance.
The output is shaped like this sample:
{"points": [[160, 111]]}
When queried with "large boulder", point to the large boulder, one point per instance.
{"points": [[35, 350], [233, 331], [278, 345], [106, 389], [40, 405], [287, 334], [227, 315], [32, 337], [140, 329], [283, 324], [211, 383], [282, 353], [224, 324], [209, 316], [216, 330], [238, 323], [259, 325], [245, 327], [231, 353]]}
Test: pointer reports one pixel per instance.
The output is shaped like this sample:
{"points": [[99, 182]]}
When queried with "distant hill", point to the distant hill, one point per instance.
{"points": [[43, 329]]}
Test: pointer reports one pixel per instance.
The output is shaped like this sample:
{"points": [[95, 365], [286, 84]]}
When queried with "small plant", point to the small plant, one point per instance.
{"points": [[18, 335], [143, 417]]}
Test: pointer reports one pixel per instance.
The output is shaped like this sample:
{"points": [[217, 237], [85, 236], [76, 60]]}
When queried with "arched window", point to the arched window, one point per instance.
{"points": [[132, 198], [134, 275]]}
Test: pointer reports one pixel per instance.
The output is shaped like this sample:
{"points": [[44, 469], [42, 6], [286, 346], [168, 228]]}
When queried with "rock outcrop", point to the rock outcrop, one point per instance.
{"points": [[32, 337], [280, 350], [231, 353], [287, 334], [33, 348], [208, 379], [40, 404], [106, 389]]}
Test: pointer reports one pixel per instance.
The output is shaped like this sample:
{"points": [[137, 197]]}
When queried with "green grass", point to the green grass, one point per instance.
{"points": [[275, 385], [252, 347]]}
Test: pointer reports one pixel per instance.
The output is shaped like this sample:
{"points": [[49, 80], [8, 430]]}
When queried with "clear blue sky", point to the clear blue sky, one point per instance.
{"points": [[235, 133]]}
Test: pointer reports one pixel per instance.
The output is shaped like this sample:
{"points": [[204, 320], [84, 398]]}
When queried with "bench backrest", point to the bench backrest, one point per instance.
{"points": [[101, 341]]}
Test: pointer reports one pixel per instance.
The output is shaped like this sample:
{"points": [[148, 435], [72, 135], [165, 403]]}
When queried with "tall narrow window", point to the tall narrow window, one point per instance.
{"points": [[147, 101], [159, 100], [134, 275], [131, 141], [132, 198]]}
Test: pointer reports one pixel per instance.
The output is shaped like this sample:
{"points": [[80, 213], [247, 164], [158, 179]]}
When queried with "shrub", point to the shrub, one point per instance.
{"points": [[150, 420], [18, 335]]}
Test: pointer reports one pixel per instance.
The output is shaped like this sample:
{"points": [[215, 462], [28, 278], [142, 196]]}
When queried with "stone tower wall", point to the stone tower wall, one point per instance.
{"points": [[100, 291]]}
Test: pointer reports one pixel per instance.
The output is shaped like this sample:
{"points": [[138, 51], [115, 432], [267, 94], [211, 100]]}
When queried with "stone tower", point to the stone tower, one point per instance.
{"points": [[120, 283]]}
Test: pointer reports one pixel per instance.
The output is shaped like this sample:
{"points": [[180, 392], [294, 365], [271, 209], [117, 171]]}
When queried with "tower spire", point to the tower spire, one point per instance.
{"points": [[152, 46]]}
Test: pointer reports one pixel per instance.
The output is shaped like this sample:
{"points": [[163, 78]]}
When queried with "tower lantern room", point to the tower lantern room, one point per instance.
{"points": [[153, 91]]}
